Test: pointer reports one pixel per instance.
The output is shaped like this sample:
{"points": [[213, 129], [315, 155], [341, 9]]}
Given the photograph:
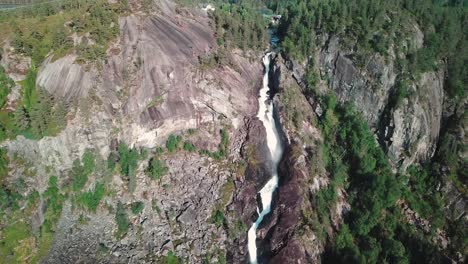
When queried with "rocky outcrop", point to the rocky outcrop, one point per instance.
{"points": [[367, 87], [152, 84], [64, 78], [414, 128], [176, 216], [408, 131]]}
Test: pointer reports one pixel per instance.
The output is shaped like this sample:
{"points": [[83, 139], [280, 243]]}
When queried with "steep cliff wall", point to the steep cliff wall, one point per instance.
{"points": [[408, 131], [152, 84]]}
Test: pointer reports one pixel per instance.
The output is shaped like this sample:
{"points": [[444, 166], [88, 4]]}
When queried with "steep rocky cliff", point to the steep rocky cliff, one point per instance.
{"points": [[151, 85], [408, 130]]}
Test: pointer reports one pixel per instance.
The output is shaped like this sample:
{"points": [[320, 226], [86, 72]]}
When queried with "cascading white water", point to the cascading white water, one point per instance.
{"points": [[265, 114]]}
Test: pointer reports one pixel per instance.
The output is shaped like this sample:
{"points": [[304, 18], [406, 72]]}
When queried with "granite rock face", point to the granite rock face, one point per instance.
{"points": [[367, 88], [415, 125], [176, 217], [408, 131], [151, 85]]}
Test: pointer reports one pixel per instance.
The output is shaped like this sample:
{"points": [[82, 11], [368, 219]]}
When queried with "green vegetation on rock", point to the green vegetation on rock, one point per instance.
{"points": [[121, 217], [91, 199], [137, 207], [156, 168], [80, 173], [6, 84], [42, 28], [172, 143], [127, 159]]}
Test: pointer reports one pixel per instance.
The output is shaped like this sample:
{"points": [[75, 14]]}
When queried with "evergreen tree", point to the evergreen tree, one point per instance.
{"points": [[21, 118]]}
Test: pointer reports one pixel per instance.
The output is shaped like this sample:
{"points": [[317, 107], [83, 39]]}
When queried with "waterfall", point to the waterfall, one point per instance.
{"points": [[265, 114]]}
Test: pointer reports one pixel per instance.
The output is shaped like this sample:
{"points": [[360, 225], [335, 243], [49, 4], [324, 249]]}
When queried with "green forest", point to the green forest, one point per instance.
{"points": [[375, 229], [378, 26]]}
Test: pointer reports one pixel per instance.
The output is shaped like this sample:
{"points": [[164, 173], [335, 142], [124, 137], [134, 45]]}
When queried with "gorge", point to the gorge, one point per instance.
{"points": [[189, 131], [266, 115]]}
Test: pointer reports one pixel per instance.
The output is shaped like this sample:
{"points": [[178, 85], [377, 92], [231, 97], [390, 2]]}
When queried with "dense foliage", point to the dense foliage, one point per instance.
{"points": [[375, 229], [381, 26], [41, 28], [240, 25]]}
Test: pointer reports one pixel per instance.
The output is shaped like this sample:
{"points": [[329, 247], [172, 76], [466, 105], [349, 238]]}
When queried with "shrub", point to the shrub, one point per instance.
{"points": [[6, 84], [88, 162], [79, 177], [188, 146], [121, 218], [54, 200], [80, 172], [128, 159], [171, 259], [91, 199], [156, 169], [172, 143], [137, 207], [217, 218]]}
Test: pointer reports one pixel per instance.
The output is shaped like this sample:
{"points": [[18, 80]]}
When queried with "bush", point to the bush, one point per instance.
{"points": [[217, 218], [79, 177], [121, 218], [128, 159], [88, 161], [6, 84], [54, 200], [80, 172], [156, 168], [172, 143], [91, 199], [137, 207], [171, 259], [188, 146]]}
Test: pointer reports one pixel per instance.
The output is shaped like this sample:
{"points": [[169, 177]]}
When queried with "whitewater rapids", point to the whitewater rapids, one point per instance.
{"points": [[265, 114]]}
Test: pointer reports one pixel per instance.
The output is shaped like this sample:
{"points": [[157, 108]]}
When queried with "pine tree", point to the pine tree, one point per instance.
{"points": [[59, 114], [40, 113], [21, 118]]}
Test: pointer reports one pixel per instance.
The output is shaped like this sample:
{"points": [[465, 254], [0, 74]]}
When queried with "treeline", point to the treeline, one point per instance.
{"points": [[377, 26], [38, 31], [240, 24]]}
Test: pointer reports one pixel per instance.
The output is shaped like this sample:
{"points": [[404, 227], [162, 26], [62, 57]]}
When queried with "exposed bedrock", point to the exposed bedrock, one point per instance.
{"points": [[409, 130], [152, 85]]}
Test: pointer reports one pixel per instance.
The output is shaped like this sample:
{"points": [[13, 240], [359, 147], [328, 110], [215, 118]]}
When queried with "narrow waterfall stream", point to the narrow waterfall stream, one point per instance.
{"points": [[265, 114]]}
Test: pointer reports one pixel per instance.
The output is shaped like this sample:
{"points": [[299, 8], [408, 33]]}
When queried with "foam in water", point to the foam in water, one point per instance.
{"points": [[265, 114]]}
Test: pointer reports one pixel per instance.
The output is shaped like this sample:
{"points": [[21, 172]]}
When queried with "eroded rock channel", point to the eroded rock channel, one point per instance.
{"points": [[275, 147]]}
